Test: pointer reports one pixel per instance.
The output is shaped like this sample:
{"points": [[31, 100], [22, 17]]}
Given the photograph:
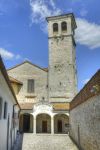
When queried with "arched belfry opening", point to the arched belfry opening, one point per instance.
{"points": [[55, 27], [64, 26]]}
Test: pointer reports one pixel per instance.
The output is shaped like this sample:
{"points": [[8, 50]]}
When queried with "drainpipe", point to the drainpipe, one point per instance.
{"points": [[13, 116]]}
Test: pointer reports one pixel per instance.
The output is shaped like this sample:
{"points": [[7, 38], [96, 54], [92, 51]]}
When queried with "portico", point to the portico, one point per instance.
{"points": [[45, 120]]}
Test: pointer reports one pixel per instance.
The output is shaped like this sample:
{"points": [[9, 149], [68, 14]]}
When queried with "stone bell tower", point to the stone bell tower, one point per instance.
{"points": [[62, 82]]}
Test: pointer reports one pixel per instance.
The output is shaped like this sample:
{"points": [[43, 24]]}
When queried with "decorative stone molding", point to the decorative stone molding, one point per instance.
{"points": [[42, 107]]}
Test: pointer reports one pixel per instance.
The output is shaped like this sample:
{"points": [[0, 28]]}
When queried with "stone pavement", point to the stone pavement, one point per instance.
{"points": [[18, 142], [47, 142]]}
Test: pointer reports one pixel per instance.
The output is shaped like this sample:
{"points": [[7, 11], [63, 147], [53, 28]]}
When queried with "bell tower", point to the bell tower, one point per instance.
{"points": [[62, 82]]}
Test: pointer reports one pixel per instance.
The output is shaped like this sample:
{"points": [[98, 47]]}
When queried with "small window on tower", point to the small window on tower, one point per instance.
{"points": [[55, 27], [30, 86], [64, 26]]}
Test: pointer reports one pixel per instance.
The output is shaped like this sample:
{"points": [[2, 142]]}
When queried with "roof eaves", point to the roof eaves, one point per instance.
{"points": [[4, 72], [24, 63]]}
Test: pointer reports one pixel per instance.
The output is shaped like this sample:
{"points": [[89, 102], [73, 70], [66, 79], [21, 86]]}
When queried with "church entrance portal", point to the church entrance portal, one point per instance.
{"points": [[59, 126], [44, 126], [43, 123]]}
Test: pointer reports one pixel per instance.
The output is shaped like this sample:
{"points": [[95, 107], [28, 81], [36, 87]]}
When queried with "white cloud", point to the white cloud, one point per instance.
{"points": [[27, 59], [8, 55], [88, 33], [42, 9], [83, 12], [18, 56], [86, 80]]}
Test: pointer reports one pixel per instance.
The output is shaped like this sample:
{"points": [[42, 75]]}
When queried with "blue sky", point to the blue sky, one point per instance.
{"points": [[23, 32]]}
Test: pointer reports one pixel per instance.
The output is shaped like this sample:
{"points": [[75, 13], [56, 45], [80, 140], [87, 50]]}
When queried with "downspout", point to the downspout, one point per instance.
{"points": [[14, 118]]}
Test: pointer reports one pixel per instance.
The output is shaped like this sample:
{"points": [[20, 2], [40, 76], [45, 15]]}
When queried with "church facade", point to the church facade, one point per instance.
{"points": [[44, 94]]}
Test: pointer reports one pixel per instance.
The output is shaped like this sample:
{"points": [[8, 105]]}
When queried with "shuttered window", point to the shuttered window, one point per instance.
{"points": [[30, 88], [5, 110], [1, 107]]}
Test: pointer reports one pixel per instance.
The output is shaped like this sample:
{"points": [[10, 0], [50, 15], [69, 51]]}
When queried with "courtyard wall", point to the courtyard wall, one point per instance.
{"points": [[8, 124], [85, 116]]}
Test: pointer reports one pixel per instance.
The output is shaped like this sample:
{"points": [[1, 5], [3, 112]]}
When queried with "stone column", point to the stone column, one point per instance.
{"points": [[52, 125], [34, 124]]}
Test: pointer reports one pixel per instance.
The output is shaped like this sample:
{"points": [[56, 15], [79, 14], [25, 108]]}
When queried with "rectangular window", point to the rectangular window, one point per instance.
{"points": [[5, 110], [30, 86], [0, 107]]}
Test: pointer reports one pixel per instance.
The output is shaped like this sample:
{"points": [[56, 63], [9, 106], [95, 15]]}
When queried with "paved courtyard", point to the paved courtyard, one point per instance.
{"points": [[47, 142], [18, 142]]}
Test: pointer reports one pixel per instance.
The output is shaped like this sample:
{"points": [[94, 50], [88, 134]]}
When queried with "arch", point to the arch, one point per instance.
{"points": [[43, 123], [26, 123], [55, 27], [64, 26], [42, 109], [61, 123]]}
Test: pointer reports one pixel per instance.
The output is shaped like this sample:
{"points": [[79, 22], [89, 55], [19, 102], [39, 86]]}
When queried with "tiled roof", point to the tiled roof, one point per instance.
{"points": [[26, 106], [56, 106], [4, 72], [44, 69], [13, 80], [61, 106], [86, 93]]}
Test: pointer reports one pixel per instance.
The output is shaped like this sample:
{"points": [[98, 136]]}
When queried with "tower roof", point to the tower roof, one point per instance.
{"points": [[62, 16]]}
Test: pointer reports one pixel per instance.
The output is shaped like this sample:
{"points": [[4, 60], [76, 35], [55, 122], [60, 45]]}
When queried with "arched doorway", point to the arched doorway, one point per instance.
{"points": [[43, 123], [26, 123], [61, 123]]}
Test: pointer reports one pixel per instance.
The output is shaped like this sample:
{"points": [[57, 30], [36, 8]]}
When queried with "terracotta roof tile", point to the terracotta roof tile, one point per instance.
{"points": [[85, 94], [26, 105], [13, 80], [61, 106], [4, 72], [44, 69]]}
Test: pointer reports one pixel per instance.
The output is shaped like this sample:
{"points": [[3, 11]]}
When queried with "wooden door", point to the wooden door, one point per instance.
{"points": [[59, 126], [44, 126]]}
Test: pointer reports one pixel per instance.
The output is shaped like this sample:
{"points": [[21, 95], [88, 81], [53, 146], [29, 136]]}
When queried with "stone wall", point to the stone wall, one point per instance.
{"points": [[85, 115], [62, 67], [85, 124], [27, 71], [6, 96]]}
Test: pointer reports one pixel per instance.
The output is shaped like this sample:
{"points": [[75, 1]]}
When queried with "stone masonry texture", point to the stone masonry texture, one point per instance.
{"points": [[47, 142], [27, 71], [62, 67], [85, 124]]}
